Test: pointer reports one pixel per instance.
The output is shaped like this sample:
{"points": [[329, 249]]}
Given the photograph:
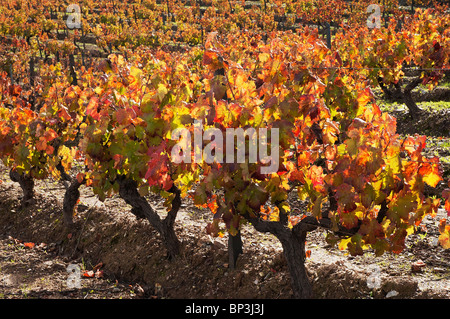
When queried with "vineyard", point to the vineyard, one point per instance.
{"points": [[225, 149]]}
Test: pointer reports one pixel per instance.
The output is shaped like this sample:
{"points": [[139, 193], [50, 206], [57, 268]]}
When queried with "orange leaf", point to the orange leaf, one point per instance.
{"points": [[63, 114], [212, 205], [364, 97], [166, 182], [50, 135], [92, 109], [80, 177], [29, 245], [41, 144], [210, 58], [122, 116], [446, 196], [88, 274], [444, 238], [430, 172], [49, 150]]}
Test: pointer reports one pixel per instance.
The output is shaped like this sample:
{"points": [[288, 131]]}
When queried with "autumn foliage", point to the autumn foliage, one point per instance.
{"points": [[109, 125]]}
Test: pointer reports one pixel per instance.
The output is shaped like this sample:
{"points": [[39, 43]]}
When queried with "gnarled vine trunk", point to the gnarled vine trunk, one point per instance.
{"points": [[403, 95], [234, 249], [71, 197], [141, 208], [26, 182], [293, 243]]}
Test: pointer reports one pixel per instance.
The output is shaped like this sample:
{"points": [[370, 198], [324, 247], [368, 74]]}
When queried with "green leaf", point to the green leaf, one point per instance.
{"points": [[257, 197], [200, 196], [400, 208], [368, 195], [381, 245], [352, 147], [161, 92]]}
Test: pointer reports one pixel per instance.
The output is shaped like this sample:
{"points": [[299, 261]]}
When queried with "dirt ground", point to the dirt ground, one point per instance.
{"points": [[121, 257]]}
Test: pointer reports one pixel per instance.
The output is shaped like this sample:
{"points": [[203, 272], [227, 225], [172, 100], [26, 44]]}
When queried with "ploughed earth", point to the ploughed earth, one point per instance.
{"points": [[117, 256]]}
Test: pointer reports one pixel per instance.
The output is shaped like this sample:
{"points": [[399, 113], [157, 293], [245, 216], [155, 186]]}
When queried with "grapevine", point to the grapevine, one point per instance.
{"points": [[127, 103]]}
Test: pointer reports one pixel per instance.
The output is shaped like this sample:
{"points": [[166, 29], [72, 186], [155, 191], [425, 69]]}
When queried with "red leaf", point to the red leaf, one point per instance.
{"points": [[122, 116], [92, 109], [88, 274], [157, 172], [80, 177], [338, 58], [29, 245], [64, 114]]}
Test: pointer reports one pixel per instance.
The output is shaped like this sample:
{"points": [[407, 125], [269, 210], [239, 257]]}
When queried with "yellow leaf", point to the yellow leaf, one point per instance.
{"points": [[430, 172], [67, 155], [302, 192], [98, 90], [344, 243], [136, 73], [410, 230], [263, 57], [162, 91], [444, 238], [394, 164], [274, 216]]}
